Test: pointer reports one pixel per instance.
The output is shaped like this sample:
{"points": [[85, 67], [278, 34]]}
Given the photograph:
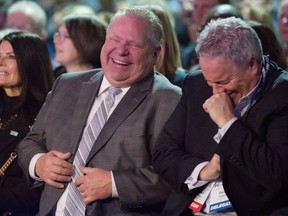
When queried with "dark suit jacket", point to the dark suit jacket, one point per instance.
{"points": [[13, 187], [124, 145], [253, 152]]}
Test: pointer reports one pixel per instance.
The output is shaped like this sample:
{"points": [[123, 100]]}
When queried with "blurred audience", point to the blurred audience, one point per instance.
{"points": [[4, 5], [270, 43], [70, 8], [222, 11], [253, 11], [28, 16], [194, 25], [283, 26], [78, 43], [26, 78], [219, 11], [169, 61]]}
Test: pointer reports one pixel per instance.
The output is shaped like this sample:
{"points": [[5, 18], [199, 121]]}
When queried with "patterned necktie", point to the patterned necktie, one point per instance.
{"points": [[75, 203]]}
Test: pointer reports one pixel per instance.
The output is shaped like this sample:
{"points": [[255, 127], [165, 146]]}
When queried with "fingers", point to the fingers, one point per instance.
{"points": [[54, 169], [64, 156], [95, 184], [211, 170]]}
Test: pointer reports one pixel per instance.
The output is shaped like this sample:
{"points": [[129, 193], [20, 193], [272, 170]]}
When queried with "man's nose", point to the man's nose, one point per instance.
{"points": [[217, 88]]}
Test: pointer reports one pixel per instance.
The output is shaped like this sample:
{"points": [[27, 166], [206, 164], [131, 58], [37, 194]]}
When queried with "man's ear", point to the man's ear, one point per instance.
{"points": [[254, 66], [157, 53]]}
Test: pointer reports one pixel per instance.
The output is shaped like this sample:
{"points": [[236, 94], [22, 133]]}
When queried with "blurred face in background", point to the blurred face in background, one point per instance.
{"points": [[187, 7], [9, 73], [65, 51], [201, 9], [20, 20], [283, 22]]}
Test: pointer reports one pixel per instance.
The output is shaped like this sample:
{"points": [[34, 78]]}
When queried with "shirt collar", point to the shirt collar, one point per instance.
{"points": [[105, 85]]}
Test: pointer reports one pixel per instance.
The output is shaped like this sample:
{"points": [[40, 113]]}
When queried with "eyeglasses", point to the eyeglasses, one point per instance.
{"points": [[62, 37]]}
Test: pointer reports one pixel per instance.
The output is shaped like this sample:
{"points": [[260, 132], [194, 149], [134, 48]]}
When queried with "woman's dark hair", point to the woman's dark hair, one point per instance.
{"points": [[87, 33], [35, 70], [270, 43]]}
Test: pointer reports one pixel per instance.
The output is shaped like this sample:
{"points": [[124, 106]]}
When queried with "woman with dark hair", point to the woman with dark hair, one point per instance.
{"points": [[25, 79], [78, 43]]}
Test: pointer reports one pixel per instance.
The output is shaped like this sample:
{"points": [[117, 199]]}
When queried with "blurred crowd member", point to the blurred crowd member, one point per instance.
{"points": [[283, 26], [28, 16], [270, 43], [182, 19], [25, 80], [253, 11], [105, 15], [200, 11], [58, 12], [197, 19], [219, 11], [4, 5], [70, 8], [169, 62], [198, 14], [222, 11], [78, 43]]}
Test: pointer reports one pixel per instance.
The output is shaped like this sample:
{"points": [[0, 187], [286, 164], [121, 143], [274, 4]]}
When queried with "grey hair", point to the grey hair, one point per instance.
{"points": [[231, 38], [282, 4], [147, 16], [33, 10]]}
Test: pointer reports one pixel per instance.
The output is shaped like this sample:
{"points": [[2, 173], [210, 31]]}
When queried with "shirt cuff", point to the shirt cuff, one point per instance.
{"points": [[114, 189], [222, 131], [32, 166], [192, 181]]}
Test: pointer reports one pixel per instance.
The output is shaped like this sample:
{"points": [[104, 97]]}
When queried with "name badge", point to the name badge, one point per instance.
{"points": [[14, 133]]}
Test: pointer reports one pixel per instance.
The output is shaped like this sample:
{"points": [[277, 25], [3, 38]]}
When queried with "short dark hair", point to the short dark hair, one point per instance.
{"points": [[87, 33]]}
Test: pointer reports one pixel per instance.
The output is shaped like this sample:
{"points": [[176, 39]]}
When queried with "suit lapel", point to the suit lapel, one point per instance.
{"points": [[83, 106], [136, 94]]}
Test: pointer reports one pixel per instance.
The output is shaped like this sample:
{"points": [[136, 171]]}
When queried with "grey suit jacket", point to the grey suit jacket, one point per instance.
{"points": [[124, 145]]}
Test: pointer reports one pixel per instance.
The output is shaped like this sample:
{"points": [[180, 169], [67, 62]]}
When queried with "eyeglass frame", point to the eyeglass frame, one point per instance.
{"points": [[61, 37]]}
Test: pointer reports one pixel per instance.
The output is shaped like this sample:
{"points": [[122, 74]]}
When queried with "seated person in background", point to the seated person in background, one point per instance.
{"points": [[217, 12], [27, 16], [197, 19], [78, 43], [283, 26], [26, 78], [270, 43], [169, 61], [231, 126], [114, 175]]}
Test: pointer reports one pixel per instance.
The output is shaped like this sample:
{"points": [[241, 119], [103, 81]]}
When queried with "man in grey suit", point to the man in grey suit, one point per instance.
{"points": [[117, 178]]}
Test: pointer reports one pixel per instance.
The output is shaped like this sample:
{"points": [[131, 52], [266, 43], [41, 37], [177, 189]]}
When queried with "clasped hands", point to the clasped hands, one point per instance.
{"points": [[55, 170]]}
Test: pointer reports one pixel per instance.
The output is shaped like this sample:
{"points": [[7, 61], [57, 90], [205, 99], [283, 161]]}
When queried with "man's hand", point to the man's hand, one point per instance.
{"points": [[54, 169], [220, 109], [212, 170], [95, 184]]}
